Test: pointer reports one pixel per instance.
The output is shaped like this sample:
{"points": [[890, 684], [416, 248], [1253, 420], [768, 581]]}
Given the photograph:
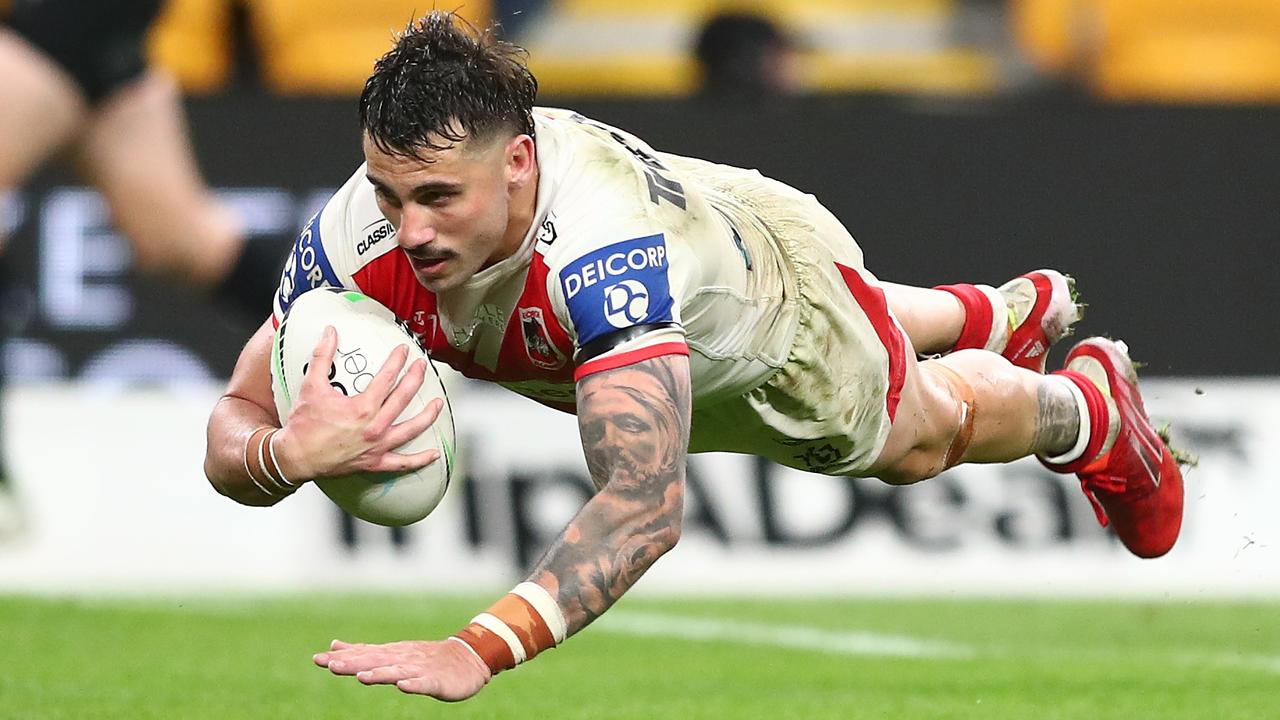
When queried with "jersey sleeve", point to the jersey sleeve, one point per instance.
{"points": [[620, 304], [324, 255], [620, 265], [616, 277]]}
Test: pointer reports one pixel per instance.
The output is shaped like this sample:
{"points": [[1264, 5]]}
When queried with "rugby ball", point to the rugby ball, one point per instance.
{"points": [[367, 333]]}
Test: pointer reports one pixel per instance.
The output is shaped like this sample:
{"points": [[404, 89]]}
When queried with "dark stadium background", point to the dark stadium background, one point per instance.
{"points": [[1168, 216]]}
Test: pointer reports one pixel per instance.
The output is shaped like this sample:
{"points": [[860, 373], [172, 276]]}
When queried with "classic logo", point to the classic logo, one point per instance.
{"points": [[819, 454], [429, 331], [537, 341], [618, 286], [424, 328], [381, 230]]}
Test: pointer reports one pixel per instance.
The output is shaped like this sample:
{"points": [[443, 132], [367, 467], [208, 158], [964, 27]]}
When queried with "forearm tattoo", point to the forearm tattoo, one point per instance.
{"points": [[1057, 420], [635, 433]]}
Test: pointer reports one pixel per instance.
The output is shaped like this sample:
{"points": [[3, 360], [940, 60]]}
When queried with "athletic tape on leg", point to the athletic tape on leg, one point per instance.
{"points": [[962, 391]]}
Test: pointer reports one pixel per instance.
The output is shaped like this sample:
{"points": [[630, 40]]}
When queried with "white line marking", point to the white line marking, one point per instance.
{"points": [[799, 637], [1263, 663]]}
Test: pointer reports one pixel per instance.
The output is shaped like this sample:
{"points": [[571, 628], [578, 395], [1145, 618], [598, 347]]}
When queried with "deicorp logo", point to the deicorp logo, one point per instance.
{"points": [[626, 303], [307, 266], [618, 286]]}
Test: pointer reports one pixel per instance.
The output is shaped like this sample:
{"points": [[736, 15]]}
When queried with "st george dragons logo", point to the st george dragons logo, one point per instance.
{"points": [[537, 341]]}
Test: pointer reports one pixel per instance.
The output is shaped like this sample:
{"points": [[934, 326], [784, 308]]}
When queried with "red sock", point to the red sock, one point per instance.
{"points": [[979, 316], [1098, 418]]}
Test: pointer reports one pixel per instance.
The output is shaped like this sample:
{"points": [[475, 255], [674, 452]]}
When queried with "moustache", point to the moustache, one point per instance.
{"points": [[431, 256]]}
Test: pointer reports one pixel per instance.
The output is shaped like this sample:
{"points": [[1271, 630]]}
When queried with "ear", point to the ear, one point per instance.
{"points": [[521, 161]]}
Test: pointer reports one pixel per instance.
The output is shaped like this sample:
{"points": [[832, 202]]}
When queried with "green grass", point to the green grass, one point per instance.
{"points": [[251, 658]]}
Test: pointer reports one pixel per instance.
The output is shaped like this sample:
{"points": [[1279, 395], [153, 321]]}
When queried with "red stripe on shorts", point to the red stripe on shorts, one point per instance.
{"points": [[871, 299]]}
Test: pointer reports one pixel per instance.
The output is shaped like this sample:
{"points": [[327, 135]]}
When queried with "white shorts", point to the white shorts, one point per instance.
{"points": [[829, 408]]}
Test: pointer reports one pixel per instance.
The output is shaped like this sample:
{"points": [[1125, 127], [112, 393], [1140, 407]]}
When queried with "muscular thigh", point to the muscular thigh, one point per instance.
{"points": [[40, 108], [830, 408], [851, 398]]}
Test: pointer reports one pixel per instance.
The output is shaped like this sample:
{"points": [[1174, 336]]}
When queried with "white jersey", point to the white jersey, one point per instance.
{"points": [[621, 239], [634, 254]]}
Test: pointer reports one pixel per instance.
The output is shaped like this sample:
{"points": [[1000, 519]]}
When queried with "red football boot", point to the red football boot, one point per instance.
{"points": [[1021, 319], [1136, 484], [1042, 308]]}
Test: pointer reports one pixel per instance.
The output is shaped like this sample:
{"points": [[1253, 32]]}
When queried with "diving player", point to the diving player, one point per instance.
{"points": [[675, 306]]}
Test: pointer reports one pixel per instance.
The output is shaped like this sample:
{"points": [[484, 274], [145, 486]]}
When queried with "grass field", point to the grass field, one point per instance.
{"points": [[244, 658]]}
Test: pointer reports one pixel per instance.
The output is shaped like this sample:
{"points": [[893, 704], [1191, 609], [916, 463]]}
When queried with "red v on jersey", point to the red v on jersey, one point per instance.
{"points": [[534, 346]]}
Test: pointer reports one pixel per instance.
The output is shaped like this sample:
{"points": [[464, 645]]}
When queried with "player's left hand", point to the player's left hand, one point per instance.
{"points": [[445, 670]]}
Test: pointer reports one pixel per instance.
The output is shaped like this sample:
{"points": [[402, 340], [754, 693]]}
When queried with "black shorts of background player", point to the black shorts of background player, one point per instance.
{"points": [[74, 80]]}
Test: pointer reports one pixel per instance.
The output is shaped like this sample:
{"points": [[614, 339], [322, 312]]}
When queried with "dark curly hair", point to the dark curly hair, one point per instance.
{"points": [[445, 81]]}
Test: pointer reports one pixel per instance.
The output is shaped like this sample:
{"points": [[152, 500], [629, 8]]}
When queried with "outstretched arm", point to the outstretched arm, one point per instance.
{"points": [[634, 422]]}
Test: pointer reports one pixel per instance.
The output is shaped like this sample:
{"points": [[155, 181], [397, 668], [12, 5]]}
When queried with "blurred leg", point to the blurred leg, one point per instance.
{"points": [[135, 150], [41, 108]]}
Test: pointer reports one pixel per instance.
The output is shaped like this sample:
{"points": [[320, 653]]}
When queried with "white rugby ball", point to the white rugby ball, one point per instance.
{"points": [[367, 333]]}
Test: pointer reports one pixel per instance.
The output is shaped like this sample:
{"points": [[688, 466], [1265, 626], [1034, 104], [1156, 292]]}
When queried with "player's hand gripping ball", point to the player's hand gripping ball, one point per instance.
{"points": [[367, 333]]}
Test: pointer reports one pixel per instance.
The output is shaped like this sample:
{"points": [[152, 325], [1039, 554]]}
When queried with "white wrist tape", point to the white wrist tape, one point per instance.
{"points": [[520, 625]]}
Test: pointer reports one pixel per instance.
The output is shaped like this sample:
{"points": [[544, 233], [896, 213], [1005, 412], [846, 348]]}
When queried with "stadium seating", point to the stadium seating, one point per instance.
{"points": [[1164, 50], [192, 39], [582, 47], [1169, 50], [306, 46], [591, 47], [329, 46]]}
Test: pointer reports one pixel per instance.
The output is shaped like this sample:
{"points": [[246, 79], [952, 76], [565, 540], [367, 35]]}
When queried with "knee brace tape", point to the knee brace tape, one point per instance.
{"points": [[962, 391]]}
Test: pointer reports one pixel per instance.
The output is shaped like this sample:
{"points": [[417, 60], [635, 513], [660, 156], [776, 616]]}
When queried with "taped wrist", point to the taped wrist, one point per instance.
{"points": [[522, 624], [263, 468]]}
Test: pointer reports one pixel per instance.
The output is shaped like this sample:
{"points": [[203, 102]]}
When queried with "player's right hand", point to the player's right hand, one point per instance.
{"points": [[446, 670], [329, 434]]}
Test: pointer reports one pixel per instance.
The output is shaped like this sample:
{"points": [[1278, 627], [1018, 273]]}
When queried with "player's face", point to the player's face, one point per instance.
{"points": [[453, 208]]}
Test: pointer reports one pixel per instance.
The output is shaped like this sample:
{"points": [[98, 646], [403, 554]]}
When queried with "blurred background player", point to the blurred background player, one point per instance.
{"points": [[74, 80], [745, 56]]}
